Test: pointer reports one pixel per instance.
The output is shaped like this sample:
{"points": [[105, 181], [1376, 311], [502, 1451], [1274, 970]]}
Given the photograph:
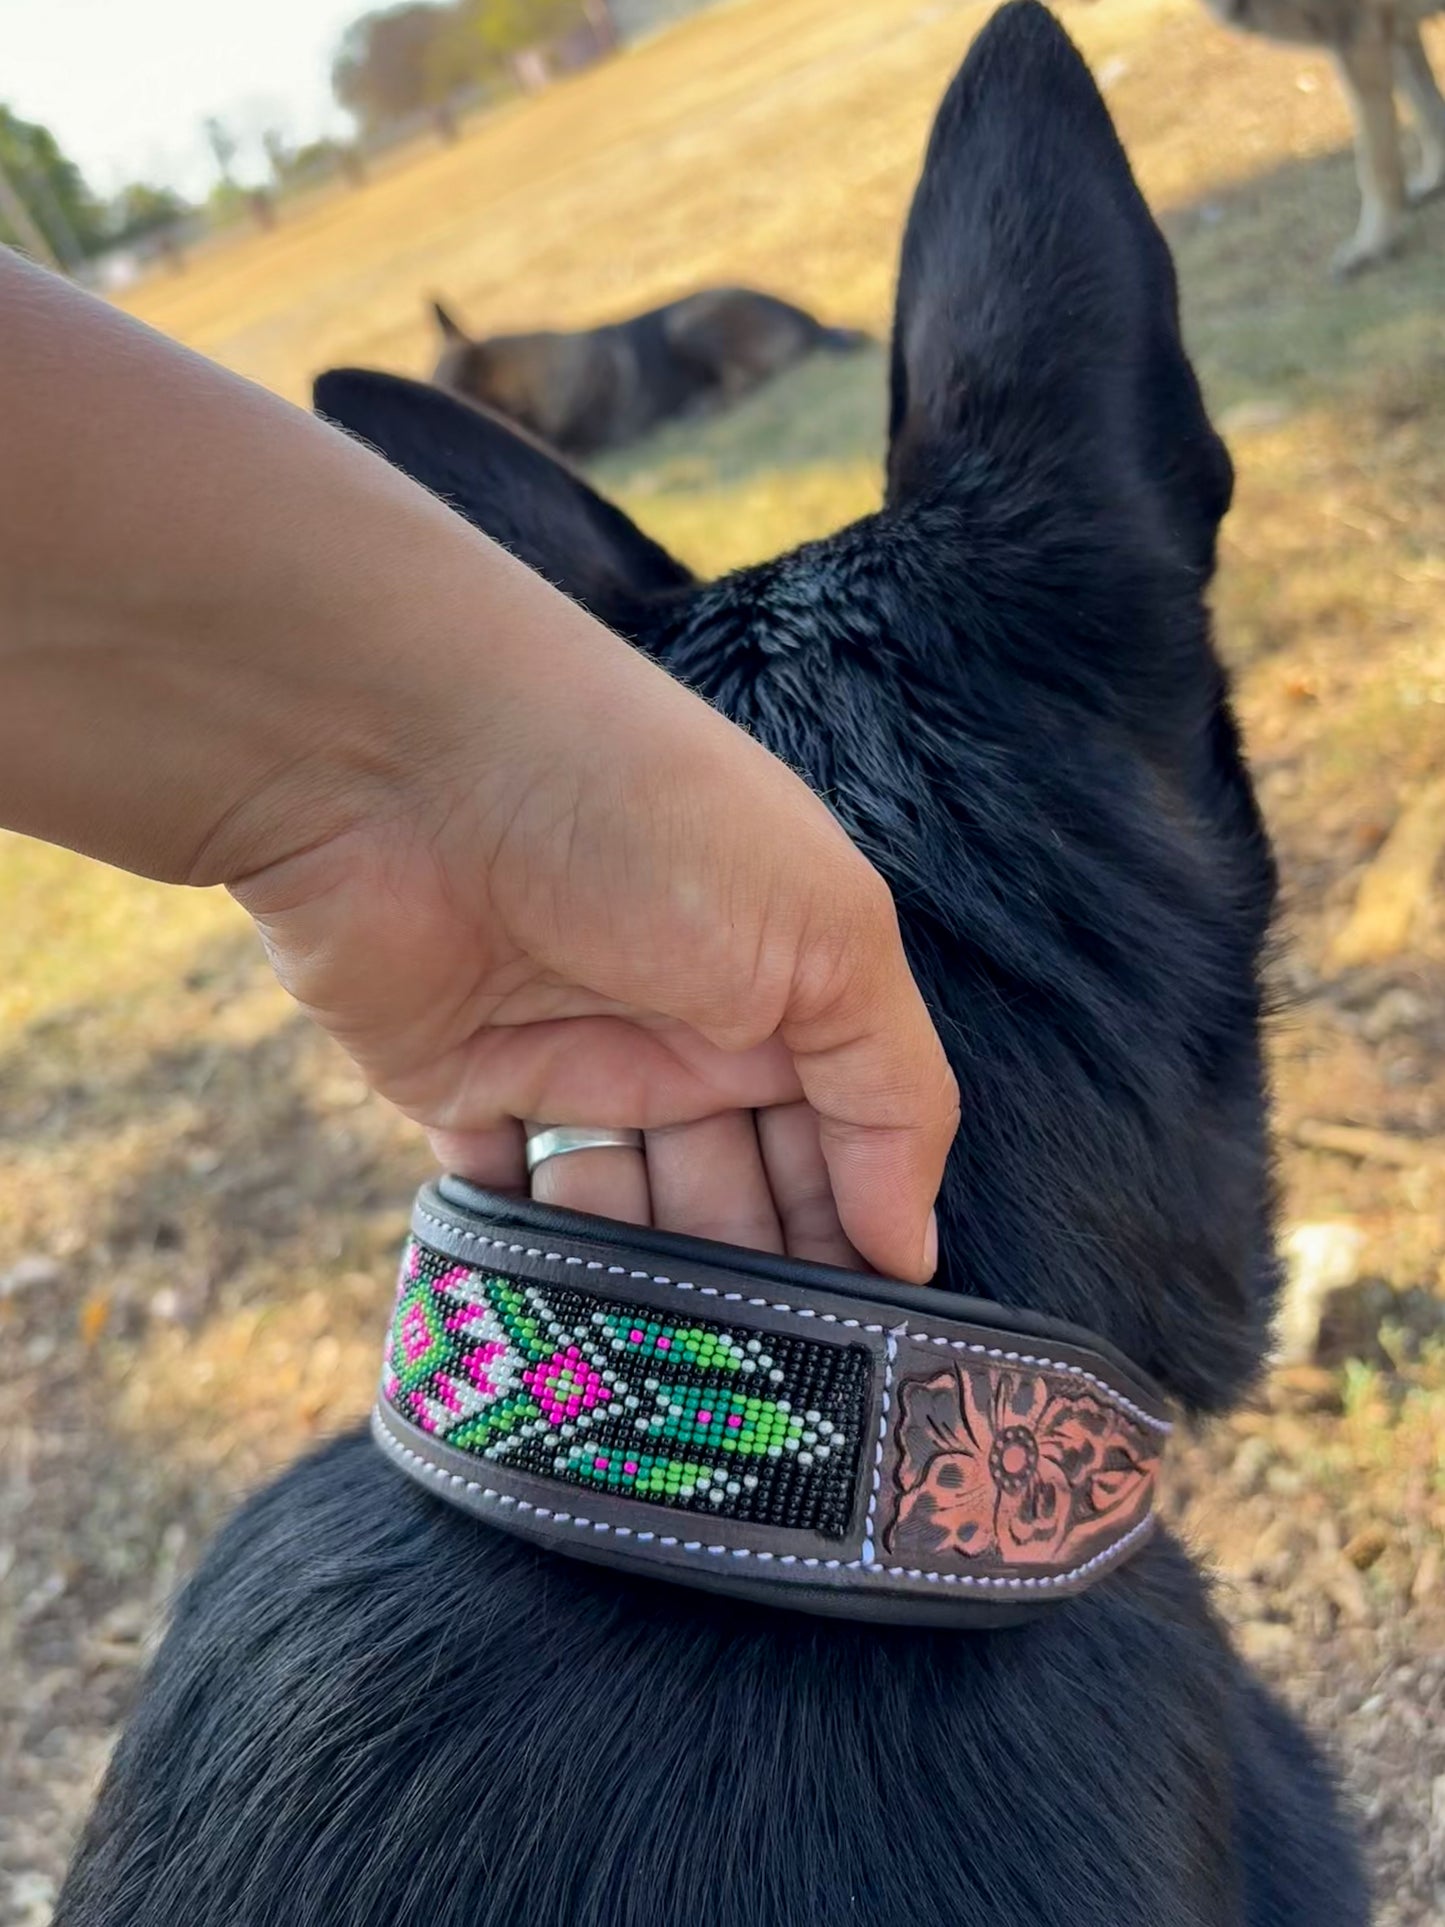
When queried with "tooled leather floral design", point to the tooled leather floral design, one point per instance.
{"points": [[1013, 1467]]}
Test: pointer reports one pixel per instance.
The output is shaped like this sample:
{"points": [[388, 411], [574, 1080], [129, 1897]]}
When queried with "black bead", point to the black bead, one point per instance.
{"points": [[830, 1378]]}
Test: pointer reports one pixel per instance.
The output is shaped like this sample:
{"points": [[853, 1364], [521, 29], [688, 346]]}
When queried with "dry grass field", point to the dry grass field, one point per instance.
{"points": [[199, 1203]]}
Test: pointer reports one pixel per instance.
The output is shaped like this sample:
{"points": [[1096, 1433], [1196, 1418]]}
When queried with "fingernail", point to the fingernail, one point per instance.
{"points": [[930, 1243]]}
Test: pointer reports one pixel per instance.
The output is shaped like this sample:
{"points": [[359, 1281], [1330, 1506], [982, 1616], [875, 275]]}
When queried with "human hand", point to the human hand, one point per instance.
{"points": [[600, 903], [510, 864]]}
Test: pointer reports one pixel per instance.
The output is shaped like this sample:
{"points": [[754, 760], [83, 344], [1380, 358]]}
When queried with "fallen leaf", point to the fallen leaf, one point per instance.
{"points": [[93, 1316], [1395, 885], [1365, 1547]]}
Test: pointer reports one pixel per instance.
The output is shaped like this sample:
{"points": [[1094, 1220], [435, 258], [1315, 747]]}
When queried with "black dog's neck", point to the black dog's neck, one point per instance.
{"points": [[680, 1251], [779, 1431]]}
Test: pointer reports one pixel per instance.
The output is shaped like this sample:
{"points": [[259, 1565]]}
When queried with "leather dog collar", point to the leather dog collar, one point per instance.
{"points": [[750, 1424]]}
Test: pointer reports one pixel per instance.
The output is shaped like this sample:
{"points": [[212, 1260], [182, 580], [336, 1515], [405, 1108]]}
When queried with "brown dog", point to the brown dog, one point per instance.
{"points": [[603, 387], [1377, 48]]}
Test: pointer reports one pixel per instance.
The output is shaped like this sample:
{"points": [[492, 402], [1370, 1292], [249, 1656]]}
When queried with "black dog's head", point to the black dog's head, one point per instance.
{"points": [[370, 1707], [1003, 683]]}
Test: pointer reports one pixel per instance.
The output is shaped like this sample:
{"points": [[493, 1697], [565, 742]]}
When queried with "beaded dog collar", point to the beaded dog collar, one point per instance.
{"points": [[751, 1424]]}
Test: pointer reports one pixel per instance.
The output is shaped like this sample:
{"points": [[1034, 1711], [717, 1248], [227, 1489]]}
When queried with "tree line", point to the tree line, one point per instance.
{"points": [[73, 222], [404, 60], [392, 66]]}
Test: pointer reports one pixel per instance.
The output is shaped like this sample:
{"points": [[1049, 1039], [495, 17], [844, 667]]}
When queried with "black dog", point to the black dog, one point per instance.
{"points": [[598, 388], [373, 1711]]}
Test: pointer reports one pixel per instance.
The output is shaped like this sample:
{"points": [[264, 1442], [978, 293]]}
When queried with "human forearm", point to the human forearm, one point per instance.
{"points": [[219, 619], [508, 862]]}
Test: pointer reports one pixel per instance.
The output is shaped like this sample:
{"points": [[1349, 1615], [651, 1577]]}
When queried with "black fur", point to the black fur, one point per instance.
{"points": [[375, 1712], [544, 514], [594, 388]]}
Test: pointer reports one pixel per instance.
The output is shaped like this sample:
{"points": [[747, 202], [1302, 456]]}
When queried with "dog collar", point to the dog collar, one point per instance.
{"points": [[729, 1419]]}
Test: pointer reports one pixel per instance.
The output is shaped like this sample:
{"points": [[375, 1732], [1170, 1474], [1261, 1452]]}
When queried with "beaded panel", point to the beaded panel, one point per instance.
{"points": [[618, 1398]]}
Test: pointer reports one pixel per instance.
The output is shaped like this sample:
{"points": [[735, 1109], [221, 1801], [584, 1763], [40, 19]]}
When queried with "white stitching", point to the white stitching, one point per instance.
{"points": [[876, 1473], [1160, 1425], [1037, 1583]]}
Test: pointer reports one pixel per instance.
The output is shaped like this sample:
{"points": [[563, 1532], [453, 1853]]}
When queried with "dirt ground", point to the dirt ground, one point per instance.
{"points": [[199, 1204]]}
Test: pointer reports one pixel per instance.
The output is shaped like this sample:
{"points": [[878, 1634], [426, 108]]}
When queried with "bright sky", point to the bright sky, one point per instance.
{"points": [[125, 84]]}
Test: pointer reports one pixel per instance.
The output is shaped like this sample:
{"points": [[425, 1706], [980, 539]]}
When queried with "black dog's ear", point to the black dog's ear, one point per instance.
{"points": [[452, 332], [509, 486], [1038, 311]]}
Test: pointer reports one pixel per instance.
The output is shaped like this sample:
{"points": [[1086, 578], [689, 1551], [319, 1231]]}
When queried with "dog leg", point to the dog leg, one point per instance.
{"points": [[1427, 104], [1367, 75]]}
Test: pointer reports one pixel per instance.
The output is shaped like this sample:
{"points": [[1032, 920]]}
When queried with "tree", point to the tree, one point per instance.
{"points": [[278, 152], [417, 57], [223, 144], [508, 27], [51, 188], [318, 159], [140, 210], [384, 67], [17, 225], [484, 35], [457, 59]]}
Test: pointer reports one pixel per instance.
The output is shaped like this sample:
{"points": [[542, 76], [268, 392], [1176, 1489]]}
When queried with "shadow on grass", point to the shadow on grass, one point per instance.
{"points": [[222, 1215], [827, 412], [58, 1065], [1265, 323], [179, 1160], [1264, 318]]}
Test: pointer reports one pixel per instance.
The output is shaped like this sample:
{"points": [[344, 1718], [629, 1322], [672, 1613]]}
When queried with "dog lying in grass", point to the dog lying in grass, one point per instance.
{"points": [[1377, 49], [373, 1710], [601, 388]]}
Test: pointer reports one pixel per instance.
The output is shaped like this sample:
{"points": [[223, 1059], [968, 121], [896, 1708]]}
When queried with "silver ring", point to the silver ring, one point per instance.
{"points": [[556, 1140]]}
